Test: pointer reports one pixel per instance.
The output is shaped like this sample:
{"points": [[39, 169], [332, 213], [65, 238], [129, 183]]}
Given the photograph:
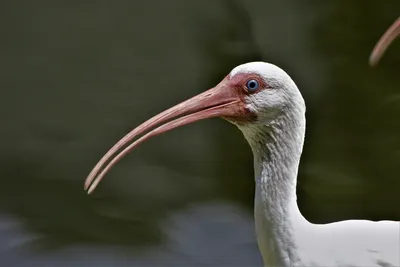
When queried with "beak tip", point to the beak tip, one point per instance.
{"points": [[372, 63], [88, 188], [374, 59], [91, 188]]}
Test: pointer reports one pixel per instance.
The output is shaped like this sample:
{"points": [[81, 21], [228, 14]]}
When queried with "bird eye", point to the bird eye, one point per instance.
{"points": [[252, 85]]}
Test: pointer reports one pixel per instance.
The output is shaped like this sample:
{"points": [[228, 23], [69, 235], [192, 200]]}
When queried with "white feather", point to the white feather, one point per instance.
{"points": [[285, 237]]}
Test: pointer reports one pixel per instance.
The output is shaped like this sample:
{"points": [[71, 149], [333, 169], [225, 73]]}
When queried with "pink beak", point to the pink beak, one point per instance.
{"points": [[384, 42], [221, 101]]}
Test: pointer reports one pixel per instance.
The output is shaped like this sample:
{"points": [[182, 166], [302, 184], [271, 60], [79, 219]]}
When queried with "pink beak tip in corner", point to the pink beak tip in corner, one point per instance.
{"points": [[387, 38]]}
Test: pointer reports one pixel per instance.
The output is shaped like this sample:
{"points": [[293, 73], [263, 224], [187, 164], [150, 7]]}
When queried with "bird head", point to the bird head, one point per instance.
{"points": [[251, 95], [268, 93]]}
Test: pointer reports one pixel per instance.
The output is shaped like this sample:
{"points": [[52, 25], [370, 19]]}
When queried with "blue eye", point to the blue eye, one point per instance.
{"points": [[252, 85]]}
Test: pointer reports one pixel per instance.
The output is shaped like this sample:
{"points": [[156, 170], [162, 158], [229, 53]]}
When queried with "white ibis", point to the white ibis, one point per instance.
{"points": [[387, 38], [265, 104]]}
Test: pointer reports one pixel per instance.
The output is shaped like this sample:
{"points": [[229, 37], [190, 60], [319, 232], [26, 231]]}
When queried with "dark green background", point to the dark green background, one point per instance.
{"points": [[77, 76]]}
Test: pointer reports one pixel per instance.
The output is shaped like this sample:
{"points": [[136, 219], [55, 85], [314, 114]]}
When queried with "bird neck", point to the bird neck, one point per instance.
{"points": [[277, 148]]}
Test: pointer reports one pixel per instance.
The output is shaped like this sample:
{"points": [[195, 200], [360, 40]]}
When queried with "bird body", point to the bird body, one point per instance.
{"points": [[285, 237], [265, 104], [345, 243]]}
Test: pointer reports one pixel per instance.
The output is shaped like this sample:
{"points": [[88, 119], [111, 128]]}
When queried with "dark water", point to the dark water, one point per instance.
{"points": [[75, 77]]}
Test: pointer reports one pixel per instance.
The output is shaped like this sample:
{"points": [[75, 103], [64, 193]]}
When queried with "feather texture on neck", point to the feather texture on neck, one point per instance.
{"points": [[277, 147]]}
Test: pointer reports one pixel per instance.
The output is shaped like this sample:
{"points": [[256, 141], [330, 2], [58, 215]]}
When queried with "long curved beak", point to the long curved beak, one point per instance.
{"points": [[383, 43], [220, 101]]}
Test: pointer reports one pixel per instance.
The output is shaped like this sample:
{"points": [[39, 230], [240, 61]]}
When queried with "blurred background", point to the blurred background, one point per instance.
{"points": [[77, 76]]}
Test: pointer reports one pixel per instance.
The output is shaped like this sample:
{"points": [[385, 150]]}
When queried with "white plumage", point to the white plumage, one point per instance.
{"points": [[285, 237], [266, 105]]}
